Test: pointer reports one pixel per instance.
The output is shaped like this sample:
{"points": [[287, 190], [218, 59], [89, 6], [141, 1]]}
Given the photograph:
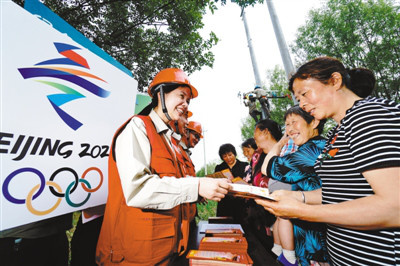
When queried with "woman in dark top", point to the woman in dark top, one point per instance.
{"points": [[230, 206], [227, 153]]}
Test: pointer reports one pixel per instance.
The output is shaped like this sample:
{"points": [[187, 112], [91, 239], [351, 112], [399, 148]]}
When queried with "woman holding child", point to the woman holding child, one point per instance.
{"points": [[359, 166], [297, 169]]}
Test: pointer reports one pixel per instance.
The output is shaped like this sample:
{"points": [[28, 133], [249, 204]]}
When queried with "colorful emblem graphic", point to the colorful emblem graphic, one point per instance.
{"points": [[47, 69]]}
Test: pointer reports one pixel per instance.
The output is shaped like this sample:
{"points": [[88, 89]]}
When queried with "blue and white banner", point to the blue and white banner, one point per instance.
{"points": [[61, 102]]}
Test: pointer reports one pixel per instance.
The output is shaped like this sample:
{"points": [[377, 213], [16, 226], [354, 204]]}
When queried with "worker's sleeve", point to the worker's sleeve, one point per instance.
{"points": [[141, 188]]}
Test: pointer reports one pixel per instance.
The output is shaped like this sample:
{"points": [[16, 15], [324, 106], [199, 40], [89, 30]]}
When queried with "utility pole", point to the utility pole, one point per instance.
{"points": [[249, 43], [287, 61], [283, 49]]}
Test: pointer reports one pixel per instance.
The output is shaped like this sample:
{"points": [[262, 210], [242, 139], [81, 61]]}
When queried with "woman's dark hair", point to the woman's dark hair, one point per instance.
{"points": [[167, 88], [271, 126], [306, 116], [361, 81], [249, 143], [226, 148]]}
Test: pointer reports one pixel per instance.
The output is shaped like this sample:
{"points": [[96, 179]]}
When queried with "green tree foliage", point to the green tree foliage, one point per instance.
{"points": [[145, 36], [278, 85], [244, 3], [361, 33], [205, 210], [329, 124], [209, 208], [247, 128], [210, 169]]}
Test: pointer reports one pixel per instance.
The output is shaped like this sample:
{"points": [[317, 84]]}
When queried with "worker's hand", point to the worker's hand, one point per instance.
{"points": [[213, 188], [202, 201]]}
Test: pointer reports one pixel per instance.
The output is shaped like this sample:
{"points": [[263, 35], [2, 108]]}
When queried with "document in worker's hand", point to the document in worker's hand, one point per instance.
{"points": [[248, 191]]}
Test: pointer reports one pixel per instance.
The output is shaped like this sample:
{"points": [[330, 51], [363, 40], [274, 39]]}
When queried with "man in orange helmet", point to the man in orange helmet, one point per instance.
{"points": [[195, 133], [190, 134], [180, 127], [181, 135]]}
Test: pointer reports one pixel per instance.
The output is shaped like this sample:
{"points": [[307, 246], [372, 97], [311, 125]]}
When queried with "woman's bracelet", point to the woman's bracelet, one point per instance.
{"points": [[304, 197]]}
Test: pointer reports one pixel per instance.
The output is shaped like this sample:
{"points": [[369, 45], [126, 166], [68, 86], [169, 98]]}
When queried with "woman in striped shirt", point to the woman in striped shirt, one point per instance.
{"points": [[359, 166]]}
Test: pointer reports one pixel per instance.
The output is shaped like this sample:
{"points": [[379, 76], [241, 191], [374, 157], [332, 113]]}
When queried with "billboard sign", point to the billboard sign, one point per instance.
{"points": [[61, 102]]}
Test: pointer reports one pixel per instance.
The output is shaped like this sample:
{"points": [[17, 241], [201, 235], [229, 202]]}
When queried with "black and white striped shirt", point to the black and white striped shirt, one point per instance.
{"points": [[367, 138]]}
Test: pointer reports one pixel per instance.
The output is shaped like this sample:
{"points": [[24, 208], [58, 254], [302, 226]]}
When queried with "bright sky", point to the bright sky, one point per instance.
{"points": [[218, 107]]}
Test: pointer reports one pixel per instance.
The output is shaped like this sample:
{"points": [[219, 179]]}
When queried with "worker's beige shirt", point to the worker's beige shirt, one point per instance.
{"points": [[141, 188]]}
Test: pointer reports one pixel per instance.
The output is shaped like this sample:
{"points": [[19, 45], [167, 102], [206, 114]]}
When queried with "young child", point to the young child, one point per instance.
{"points": [[283, 227]]}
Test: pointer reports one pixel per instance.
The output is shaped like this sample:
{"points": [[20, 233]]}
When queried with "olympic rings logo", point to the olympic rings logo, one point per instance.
{"points": [[55, 188]]}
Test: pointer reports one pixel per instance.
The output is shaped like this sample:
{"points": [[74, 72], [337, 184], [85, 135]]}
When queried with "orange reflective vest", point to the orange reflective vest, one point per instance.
{"points": [[188, 163], [190, 209], [134, 236]]}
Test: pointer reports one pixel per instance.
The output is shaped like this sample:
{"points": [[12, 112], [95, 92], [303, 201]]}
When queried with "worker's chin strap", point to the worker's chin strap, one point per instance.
{"points": [[164, 108], [176, 127]]}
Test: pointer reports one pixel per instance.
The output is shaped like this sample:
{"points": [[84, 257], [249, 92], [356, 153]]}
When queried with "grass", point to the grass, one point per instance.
{"points": [[75, 218], [206, 210], [70, 232]]}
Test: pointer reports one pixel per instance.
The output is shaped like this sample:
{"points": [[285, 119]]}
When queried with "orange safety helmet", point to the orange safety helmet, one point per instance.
{"points": [[195, 126], [171, 75]]}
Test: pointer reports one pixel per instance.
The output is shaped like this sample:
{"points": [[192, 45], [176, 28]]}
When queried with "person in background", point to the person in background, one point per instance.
{"points": [[182, 127], [296, 168], [195, 133], [249, 147], [266, 134], [227, 153], [149, 189], [181, 135], [230, 206], [359, 166]]}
